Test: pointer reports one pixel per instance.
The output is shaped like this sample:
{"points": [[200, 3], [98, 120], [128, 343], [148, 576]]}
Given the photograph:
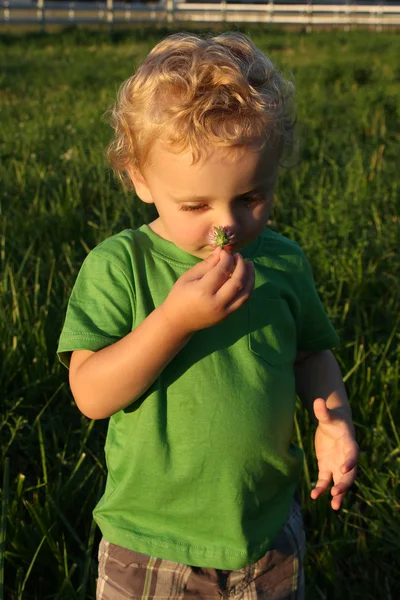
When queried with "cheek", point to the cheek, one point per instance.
{"points": [[258, 220], [262, 212], [190, 229]]}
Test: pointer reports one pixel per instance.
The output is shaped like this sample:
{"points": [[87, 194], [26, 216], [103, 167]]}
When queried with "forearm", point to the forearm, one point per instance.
{"points": [[319, 376], [114, 377]]}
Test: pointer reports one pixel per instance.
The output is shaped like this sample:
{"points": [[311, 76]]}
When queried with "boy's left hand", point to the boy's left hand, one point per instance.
{"points": [[336, 450]]}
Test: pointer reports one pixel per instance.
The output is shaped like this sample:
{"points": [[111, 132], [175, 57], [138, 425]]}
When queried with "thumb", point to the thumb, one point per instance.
{"points": [[321, 411], [199, 270]]}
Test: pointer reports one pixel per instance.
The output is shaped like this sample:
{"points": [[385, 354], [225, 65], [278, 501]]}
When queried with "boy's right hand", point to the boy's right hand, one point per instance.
{"points": [[209, 292]]}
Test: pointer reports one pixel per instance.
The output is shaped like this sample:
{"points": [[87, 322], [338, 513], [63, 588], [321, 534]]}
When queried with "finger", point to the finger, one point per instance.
{"points": [[237, 290], [203, 267], [336, 502], [245, 294], [351, 459], [324, 481], [321, 411], [344, 483], [219, 273], [235, 283]]}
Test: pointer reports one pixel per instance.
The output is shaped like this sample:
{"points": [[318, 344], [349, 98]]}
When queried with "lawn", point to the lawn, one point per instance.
{"points": [[339, 199]]}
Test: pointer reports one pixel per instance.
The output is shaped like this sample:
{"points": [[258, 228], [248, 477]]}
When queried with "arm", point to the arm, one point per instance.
{"points": [[110, 379], [318, 376], [321, 390]]}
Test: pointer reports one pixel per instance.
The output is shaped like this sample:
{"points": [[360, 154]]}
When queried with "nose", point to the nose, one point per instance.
{"points": [[229, 219]]}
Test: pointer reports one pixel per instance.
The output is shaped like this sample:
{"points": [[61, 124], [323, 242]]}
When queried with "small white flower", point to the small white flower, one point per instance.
{"points": [[68, 154]]}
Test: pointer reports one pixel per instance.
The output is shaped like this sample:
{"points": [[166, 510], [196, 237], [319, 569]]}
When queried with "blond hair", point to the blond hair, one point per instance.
{"points": [[194, 92]]}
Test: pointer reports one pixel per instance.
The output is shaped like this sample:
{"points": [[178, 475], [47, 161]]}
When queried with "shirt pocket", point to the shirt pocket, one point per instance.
{"points": [[272, 330]]}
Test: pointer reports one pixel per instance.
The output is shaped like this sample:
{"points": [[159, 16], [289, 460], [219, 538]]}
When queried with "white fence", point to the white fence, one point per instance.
{"points": [[43, 12]]}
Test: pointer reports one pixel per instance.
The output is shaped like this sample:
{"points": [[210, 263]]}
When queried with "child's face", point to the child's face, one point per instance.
{"points": [[234, 192]]}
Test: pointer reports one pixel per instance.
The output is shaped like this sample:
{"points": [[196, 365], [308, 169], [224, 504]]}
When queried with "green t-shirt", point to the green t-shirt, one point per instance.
{"points": [[201, 468]]}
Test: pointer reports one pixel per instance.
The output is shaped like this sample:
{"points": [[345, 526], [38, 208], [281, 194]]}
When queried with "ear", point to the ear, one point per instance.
{"points": [[141, 188]]}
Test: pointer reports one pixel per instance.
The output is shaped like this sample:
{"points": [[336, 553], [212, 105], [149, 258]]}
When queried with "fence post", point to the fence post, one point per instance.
{"points": [[6, 11], [170, 11], [309, 17], [110, 13], [379, 14], [71, 11], [348, 22], [270, 9], [223, 11], [40, 14]]}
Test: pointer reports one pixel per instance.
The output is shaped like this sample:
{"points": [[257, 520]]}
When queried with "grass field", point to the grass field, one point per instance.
{"points": [[59, 199]]}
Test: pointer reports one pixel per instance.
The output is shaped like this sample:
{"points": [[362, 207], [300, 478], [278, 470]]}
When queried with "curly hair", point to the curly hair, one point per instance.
{"points": [[198, 92]]}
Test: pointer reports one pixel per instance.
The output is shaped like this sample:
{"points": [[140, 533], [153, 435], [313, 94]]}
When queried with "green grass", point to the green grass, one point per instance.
{"points": [[59, 199]]}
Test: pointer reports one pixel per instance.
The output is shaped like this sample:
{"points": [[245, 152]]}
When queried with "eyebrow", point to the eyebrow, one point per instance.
{"points": [[205, 199]]}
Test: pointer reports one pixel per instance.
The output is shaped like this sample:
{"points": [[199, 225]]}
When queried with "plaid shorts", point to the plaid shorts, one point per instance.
{"points": [[278, 575]]}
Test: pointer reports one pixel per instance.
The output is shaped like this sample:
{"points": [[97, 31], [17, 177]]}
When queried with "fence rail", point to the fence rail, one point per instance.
{"points": [[49, 12]]}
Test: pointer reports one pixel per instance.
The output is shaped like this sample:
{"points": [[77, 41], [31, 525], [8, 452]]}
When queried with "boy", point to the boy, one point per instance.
{"points": [[196, 352]]}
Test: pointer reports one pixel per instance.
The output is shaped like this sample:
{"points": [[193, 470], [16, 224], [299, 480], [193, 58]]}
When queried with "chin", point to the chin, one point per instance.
{"points": [[200, 252]]}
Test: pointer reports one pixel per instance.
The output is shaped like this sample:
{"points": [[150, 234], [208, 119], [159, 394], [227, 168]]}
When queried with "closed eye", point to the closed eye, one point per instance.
{"points": [[250, 200], [253, 200], [197, 207]]}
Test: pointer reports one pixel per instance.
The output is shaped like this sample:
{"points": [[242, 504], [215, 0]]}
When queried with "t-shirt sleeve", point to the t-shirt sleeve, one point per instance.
{"points": [[100, 308], [315, 332]]}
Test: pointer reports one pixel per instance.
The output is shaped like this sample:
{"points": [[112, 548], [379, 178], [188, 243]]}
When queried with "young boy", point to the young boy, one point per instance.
{"points": [[196, 352]]}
